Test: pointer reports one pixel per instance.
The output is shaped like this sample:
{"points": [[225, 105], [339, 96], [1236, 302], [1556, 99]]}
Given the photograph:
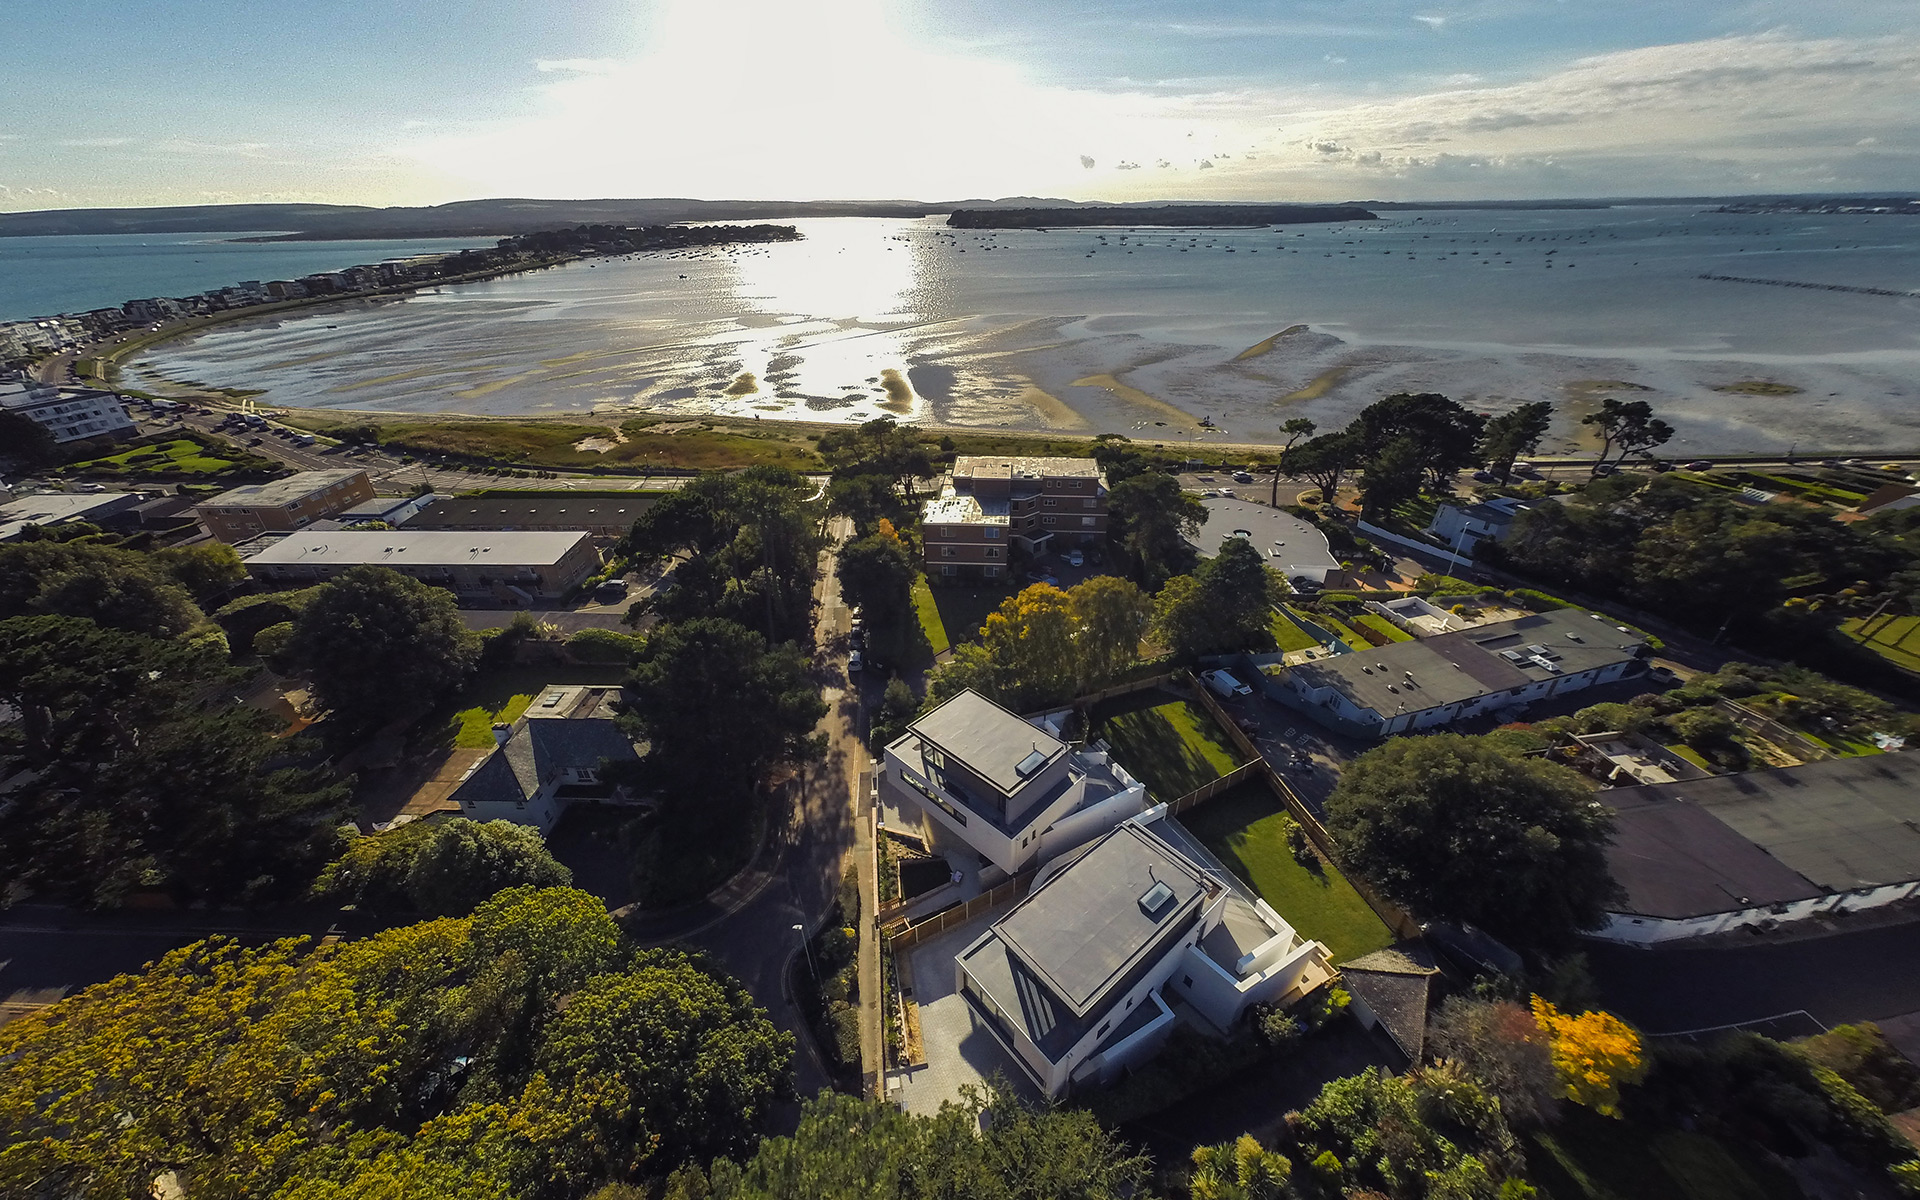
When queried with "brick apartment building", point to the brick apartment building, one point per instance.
{"points": [[992, 505], [283, 505]]}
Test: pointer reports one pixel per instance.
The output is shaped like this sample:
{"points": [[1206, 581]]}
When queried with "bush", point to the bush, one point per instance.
{"points": [[1280, 1029], [604, 646], [1298, 843], [270, 643]]}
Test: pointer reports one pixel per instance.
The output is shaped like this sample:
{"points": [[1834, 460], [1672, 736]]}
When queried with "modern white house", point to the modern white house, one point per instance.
{"points": [[1075, 980], [1759, 848], [1009, 790], [1495, 668], [550, 758]]}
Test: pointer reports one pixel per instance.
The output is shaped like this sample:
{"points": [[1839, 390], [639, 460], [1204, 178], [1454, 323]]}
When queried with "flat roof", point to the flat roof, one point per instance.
{"points": [[1453, 667], [963, 509], [1284, 540], [347, 547], [987, 739], [1786, 833], [990, 466], [277, 492], [52, 508], [469, 511]]}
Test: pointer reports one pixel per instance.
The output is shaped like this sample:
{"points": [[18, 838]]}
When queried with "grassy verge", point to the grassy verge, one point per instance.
{"points": [[1385, 628], [1693, 756], [1590, 1157], [1245, 828], [963, 610], [927, 609], [827, 988], [1171, 746]]}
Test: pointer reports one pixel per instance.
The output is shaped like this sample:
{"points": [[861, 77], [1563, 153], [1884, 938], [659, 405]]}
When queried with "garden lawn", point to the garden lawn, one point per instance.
{"points": [[962, 611], [1590, 1157], [467, 721], [182, 455], [1385, 628], [1289, 636], [1171, 746], [1244, 827], [1693, 756], [1897, 639], [925, 607]]}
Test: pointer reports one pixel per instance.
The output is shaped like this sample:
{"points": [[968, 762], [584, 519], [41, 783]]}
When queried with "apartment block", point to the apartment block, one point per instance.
{"points": [[283, 505], [992, 504]]}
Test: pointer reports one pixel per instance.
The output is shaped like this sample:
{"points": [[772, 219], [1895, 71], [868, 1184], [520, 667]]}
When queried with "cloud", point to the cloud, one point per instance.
{"points": [[577, 66], [1086, 162], [94, 142], [1333, 58], [1431, 21]]}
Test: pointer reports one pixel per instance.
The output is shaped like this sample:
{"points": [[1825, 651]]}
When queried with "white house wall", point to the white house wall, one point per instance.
{"points": [[1076, 829], [1635, 930]]}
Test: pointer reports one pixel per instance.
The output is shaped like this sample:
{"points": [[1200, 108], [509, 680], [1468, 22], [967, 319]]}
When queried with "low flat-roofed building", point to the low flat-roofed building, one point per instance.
{"points": [[1494, 668], [1702, 856], [1071, 979], [394, 510], [49, 509], [513, 568], [1009, 790], [1288, 544], [602, 516], [283, 505]]}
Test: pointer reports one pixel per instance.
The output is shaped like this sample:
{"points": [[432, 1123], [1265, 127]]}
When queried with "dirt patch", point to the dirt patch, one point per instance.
{"points": [[1261, 347], [1760, 387], [600, 444]]}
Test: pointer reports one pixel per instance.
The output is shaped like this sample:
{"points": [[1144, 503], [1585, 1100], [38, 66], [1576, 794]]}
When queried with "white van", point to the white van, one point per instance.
{"points": [[1224, 685]]}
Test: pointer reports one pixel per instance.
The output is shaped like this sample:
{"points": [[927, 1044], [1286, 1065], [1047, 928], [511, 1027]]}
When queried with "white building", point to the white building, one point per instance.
{"points": [[1701, 856], [514, 568], [1289, 545], [550, 758], [69, 414], [1499, 667], [1011, 791], [1074, 980], [1464, 526]]}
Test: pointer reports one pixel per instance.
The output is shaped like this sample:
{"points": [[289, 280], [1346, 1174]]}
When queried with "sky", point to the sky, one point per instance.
{"points": [[380, 102]]}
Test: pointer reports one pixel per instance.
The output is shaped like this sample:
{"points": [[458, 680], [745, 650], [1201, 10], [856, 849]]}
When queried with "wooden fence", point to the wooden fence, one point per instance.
{"points": [[1773, 731], [902, 936]]}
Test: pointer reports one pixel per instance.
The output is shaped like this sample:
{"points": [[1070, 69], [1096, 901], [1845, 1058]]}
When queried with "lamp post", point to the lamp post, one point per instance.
{"points": [[804, 945]]}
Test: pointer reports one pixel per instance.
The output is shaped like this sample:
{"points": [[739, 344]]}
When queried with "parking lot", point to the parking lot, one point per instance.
{"points": [[1281, 734]]}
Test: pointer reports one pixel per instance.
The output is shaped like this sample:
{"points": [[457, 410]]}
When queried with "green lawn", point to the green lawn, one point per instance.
{"points": [[1290, 636], [466, 721], [961, 611], [1896, 639], [1590, 1157], [182, 455], [928, 611], [1243, 827], [1693, 756], [1171, 746], [1383, 627]]}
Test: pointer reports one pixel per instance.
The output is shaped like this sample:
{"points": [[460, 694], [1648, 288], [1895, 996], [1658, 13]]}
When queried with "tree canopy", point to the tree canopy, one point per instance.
{"points": [[377, 646], [1457, 829], [440, 868], [1154, 518], [116, 587], [1626, 427], [382, 1067], [876, 576], [881, 448], [1514, 433], [1044, 646], [1225, 605]]}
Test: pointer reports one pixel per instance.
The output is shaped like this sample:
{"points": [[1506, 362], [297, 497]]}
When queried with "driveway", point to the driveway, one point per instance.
{"points": [[1279, 731], [960, 1050]]}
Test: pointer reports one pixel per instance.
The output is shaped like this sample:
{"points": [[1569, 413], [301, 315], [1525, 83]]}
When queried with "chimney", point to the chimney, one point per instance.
{"points": [[501, 732]]}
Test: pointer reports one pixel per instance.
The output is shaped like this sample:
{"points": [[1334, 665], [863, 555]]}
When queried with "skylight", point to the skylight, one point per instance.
{"points": [[1028, 765], [1156, 899]]}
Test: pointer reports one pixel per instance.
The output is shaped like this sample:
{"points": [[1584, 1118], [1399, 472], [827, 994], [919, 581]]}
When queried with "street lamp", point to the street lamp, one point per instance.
{"points": [[805, 945]]}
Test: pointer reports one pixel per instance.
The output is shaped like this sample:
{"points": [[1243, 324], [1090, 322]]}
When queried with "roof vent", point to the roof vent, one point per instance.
{"points": [[1156, 899], [1031, 763]]}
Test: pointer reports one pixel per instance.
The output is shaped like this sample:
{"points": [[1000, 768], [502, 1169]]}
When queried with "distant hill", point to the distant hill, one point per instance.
{"points": [[1183, 215]]}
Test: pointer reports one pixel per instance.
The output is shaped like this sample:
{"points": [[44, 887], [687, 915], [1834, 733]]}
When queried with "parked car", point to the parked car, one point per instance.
{"points": [[612, 589], [857, 639], [1076, 559], [1242, 477], [855, 662], [1700, 464], [1484, 477], [1224, 685], [1605, 469], [1209, 495]]}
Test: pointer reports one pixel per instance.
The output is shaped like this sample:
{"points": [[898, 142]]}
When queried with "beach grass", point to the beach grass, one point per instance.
{"points": [[1759, 387], [1245, 828]]}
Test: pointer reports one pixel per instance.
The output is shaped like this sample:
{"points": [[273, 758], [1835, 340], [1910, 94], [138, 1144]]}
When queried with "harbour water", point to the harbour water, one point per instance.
{"points": [[1147, 331]]}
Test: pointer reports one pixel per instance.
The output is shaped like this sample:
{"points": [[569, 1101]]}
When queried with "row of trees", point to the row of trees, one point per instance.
{"points": [[527, 1051]]}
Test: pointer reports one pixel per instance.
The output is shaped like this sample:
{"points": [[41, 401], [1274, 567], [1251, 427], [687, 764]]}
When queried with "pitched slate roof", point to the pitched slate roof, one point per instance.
{"points": [[1396, 984], [514, 772]]}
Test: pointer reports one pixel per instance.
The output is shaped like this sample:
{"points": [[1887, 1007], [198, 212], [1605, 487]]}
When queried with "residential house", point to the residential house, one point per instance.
{"points": [[990, 504], [552, 757], [69, 414], [1075, 980], [1011, 791], [1392, 991], [283, 505], [508, 568], [1464, 526]]}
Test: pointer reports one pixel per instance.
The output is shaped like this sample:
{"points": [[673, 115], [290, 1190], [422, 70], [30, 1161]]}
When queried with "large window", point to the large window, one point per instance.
{"points": [[991, 533]]}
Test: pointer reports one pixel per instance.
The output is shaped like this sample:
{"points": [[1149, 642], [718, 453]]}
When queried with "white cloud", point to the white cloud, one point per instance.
{"points": [[93, 143], [578, 66], [1432, 21]]}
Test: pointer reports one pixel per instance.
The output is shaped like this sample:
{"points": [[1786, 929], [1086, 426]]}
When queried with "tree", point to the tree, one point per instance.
{"points": [[1325, 461], [864, 500], [378, 646], [1431, 1133], [1444, 435], [876, 576], [1110, 616], [1031, 641], [122, 589], [1225, 605], [208, 570], [1296, 428], [1594, 1053], [896, 710], [717, 704], [1393, 478], [880, 447], [466, 862], [1157, 518], [122, 778], [1238, 1170], [989, 1147], [1627, 426], [1514, 433], [26, 439], [1119, 459], [1454, 828], [1502, 1046]]}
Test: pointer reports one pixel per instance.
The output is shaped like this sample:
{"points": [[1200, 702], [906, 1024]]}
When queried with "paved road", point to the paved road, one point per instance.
{"points": [[1865, 975]]}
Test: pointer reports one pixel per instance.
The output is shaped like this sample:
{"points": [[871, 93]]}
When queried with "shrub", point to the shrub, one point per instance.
{"points": [[604, 646], [1280, 1029], [1297, 842]]}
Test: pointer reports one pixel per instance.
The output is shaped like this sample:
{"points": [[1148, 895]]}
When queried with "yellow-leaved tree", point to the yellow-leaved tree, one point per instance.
{"points": [[1594, 1053]]}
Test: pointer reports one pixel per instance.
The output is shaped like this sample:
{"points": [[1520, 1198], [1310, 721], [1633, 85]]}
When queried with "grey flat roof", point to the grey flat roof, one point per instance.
{"points": [[51, 508], [346, 547], [1454, 667], [1699, 846], [495, 512], [277, 492], [1299, 544], [1025, 467], [1082, 929], [987, 739]]}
